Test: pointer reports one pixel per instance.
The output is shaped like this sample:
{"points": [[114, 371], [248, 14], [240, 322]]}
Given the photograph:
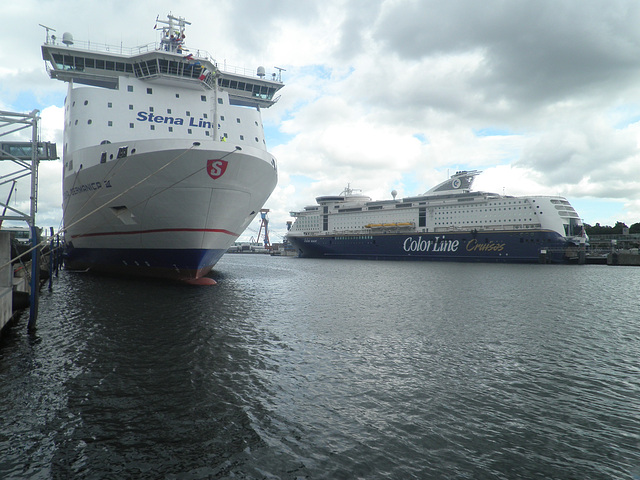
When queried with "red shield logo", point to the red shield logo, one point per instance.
{"points": [[216, 168]]}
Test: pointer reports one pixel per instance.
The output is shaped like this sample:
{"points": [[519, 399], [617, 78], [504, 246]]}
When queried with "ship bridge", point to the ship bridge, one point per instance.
{"points": [[166, 62]]}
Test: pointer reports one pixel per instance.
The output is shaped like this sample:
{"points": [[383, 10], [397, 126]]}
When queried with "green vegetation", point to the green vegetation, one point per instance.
{"points": [[617, 229]]}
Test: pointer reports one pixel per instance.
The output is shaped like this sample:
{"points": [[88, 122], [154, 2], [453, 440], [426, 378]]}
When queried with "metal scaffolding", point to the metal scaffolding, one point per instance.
{"points": [[25, 156]]}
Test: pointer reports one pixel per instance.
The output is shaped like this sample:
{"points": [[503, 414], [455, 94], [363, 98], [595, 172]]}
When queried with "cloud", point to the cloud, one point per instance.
{"points": [[543, 96]]}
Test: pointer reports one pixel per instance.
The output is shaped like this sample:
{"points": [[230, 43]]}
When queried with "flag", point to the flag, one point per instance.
{"points": [[156, 25], [189, 57], [203, 75]]}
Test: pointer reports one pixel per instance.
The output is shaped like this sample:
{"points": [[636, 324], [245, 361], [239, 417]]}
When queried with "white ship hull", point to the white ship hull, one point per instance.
{"points": [[161, 213]]}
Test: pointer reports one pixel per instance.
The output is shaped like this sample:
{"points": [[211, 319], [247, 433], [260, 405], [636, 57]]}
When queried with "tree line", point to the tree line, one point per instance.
{"points": [[617, 229]]}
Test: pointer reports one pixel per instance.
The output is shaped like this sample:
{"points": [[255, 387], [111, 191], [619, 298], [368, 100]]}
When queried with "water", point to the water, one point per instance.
{"points": [[299, 368]]}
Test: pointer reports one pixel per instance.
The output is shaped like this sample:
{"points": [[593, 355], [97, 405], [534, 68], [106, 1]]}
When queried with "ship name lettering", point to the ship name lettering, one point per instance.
{"points": [[152, 118], [439, 244], [87, 187], [474, 246]]}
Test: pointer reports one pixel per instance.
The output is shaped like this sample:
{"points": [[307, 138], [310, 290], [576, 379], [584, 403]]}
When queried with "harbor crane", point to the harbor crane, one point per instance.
{"points": [[264, 224]]}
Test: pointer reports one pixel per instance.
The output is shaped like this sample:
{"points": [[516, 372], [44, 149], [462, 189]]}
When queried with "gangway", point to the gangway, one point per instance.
{"points": [[24, 151]]}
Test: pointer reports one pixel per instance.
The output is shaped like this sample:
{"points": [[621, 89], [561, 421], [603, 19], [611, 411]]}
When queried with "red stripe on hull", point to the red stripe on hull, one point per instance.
{"points": [[160, 230]]}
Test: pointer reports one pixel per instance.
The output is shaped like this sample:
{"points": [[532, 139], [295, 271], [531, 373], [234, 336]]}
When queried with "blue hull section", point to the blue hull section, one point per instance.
{"points": [[165, 263], [512, 247]]}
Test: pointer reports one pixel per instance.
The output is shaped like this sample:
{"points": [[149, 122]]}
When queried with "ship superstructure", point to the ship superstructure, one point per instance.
{"points": [[448, 222], [165, 159]]}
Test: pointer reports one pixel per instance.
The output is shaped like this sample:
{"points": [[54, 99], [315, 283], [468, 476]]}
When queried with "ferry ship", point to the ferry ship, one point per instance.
{"points": [[165, 159], [448, 222]]}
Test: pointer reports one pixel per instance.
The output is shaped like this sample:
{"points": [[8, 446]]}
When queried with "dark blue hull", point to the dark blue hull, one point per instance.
{"points": [[512, 247], [175, 264]]}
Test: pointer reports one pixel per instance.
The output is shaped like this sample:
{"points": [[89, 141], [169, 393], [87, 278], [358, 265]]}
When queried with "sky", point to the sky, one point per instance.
{"points": [[543, 96]]}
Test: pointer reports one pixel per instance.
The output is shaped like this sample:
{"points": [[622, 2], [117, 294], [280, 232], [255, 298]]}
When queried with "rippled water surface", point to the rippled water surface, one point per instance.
{"points": [[300, 368]]}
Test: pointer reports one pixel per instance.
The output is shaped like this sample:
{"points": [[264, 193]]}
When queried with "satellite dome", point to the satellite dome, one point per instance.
{"points": [[261, 72], [67, 38], [393, 194]]}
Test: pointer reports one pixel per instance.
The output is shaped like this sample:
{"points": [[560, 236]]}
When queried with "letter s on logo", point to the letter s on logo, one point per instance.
{"points": [[216, 168]]}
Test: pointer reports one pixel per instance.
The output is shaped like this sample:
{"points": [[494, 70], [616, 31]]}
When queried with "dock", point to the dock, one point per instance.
{"points": [[618, 249], [629, 258], [20, 281]]}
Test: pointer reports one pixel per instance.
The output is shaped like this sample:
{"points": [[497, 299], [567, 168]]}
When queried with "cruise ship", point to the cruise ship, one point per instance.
{"points": [[448, 222], [165, 159]]}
